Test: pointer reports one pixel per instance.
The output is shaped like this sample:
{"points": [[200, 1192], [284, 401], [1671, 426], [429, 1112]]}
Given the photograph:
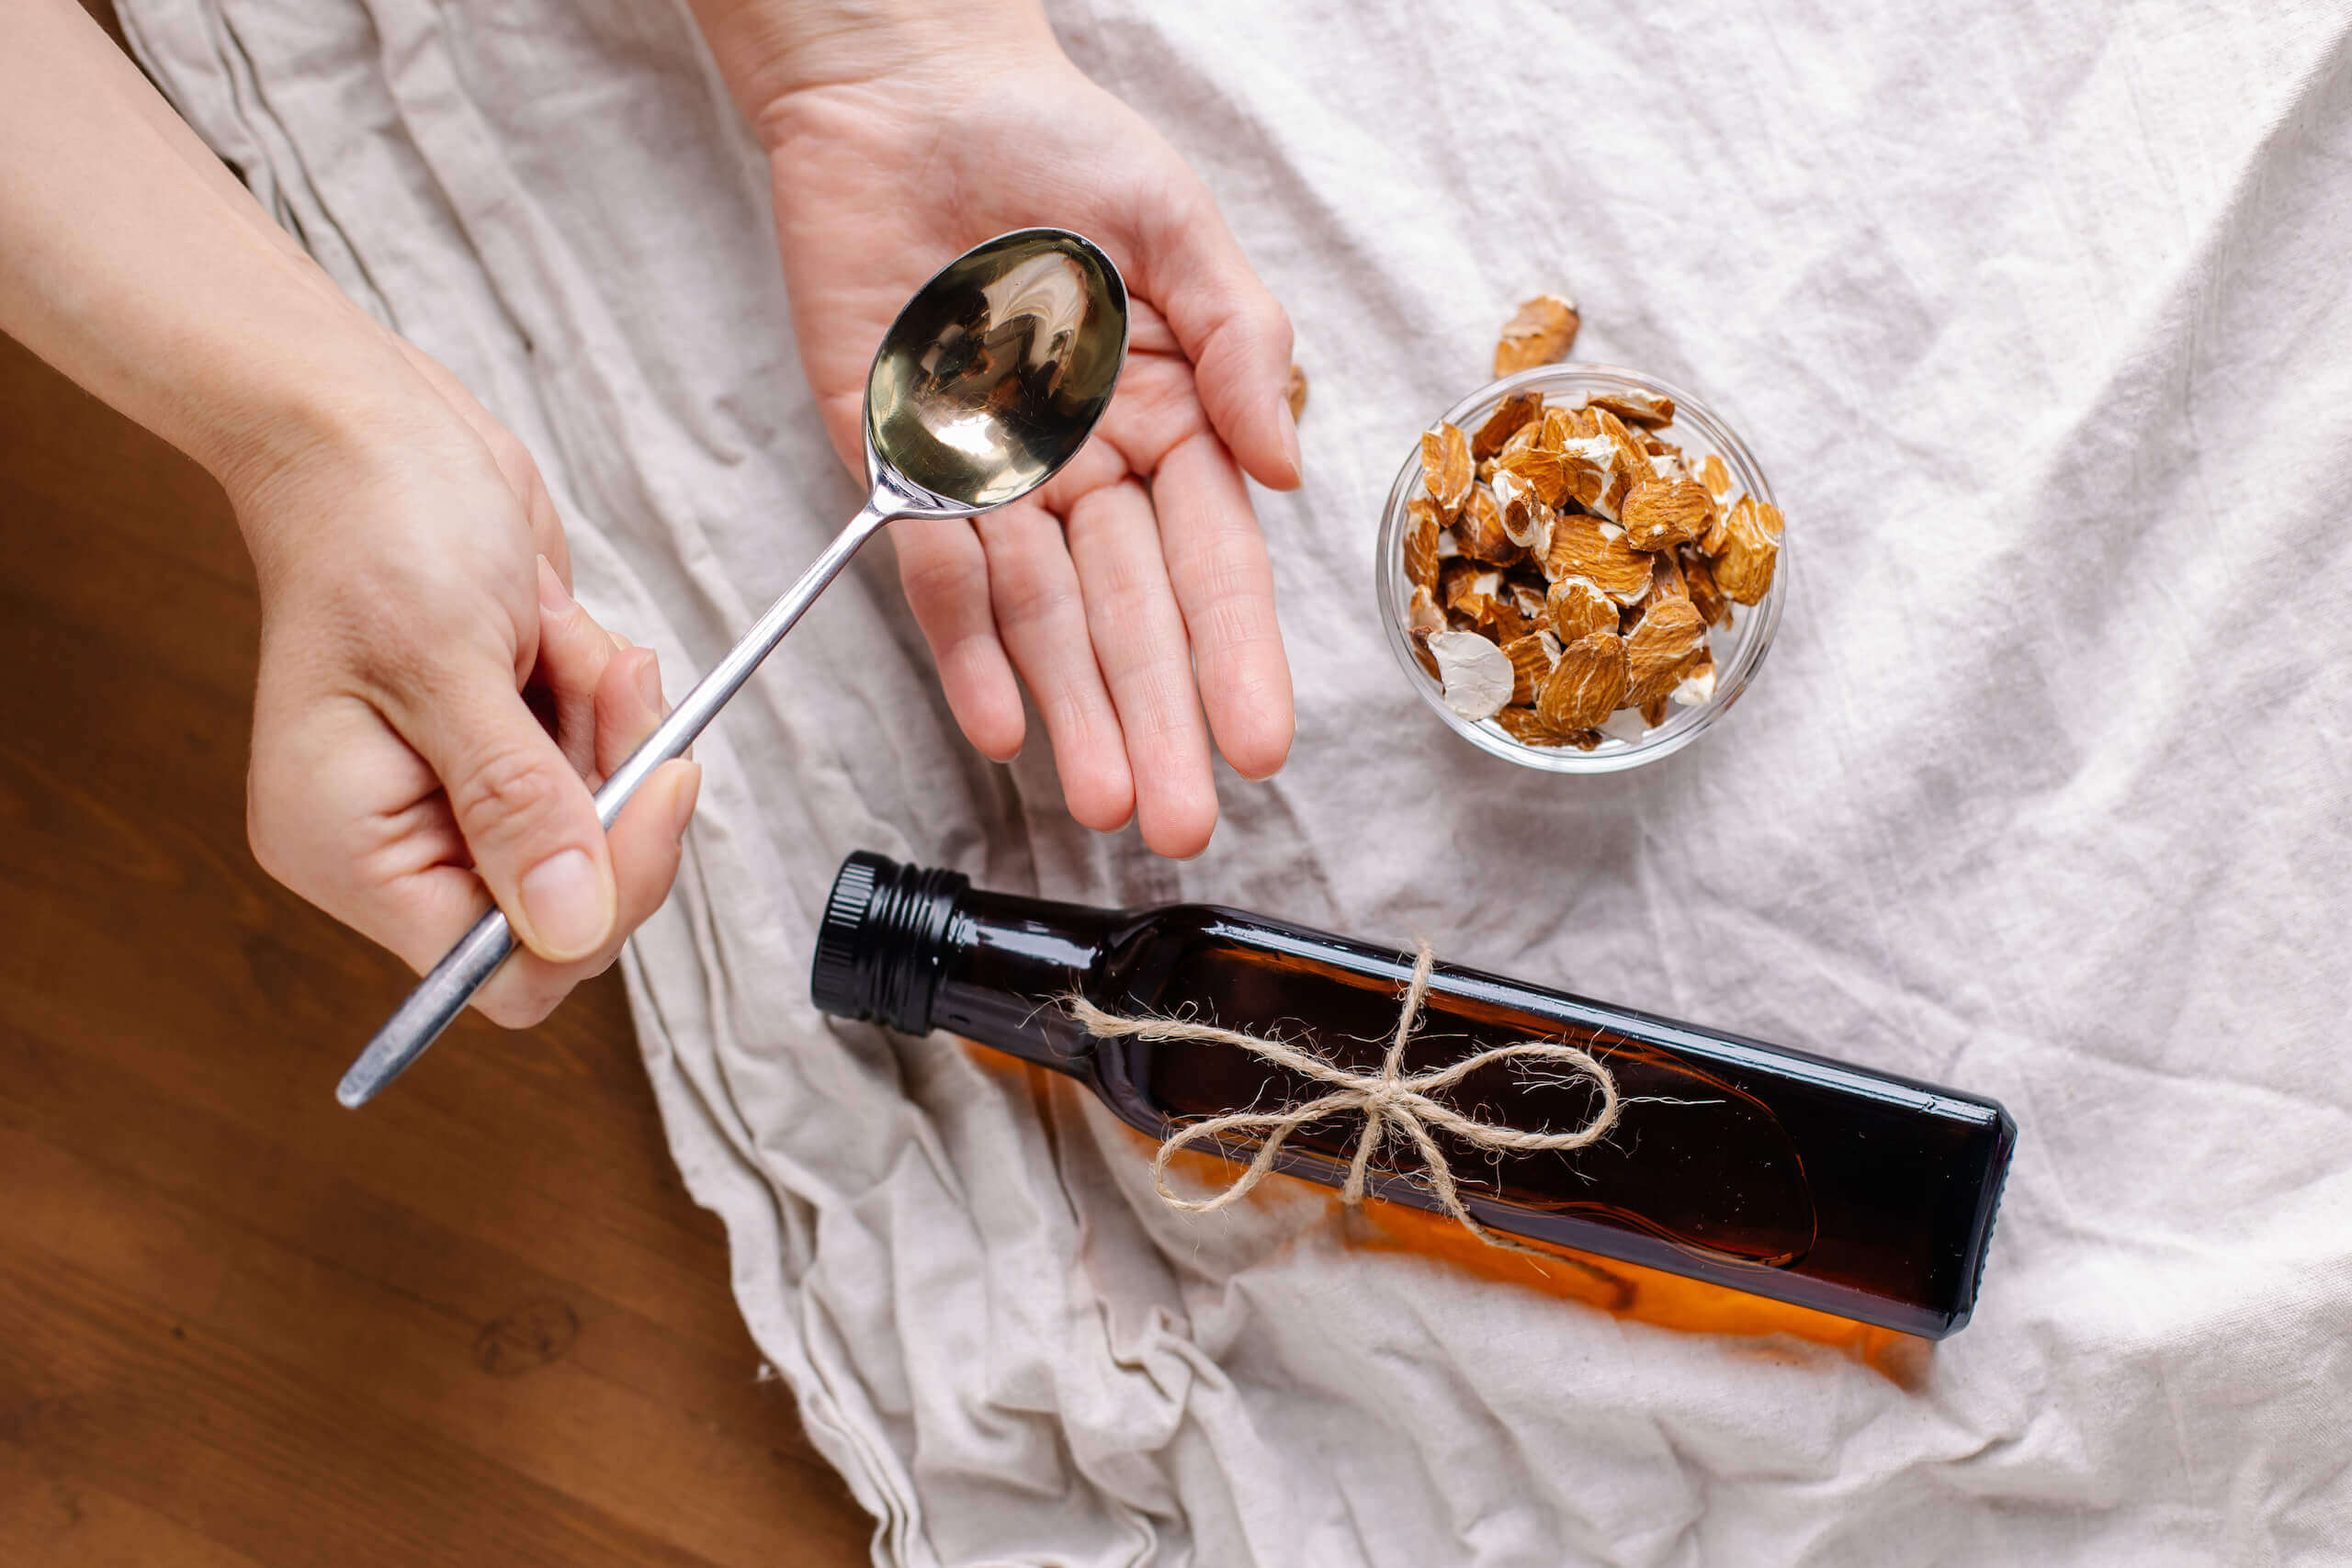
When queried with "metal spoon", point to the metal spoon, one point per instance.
{"points": [[989, 380]]}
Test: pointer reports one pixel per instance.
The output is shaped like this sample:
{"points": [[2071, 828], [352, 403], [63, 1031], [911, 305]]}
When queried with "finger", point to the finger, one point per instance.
{"points": [[1041, 619], [1140, 643], [1225, 586], [574, 653], [945, 574], [647, 841], [521, 806], [628, 707], [1231, 329]]}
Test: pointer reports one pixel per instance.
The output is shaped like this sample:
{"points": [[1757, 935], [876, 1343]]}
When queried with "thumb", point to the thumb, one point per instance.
{"points": [[526, 817]]}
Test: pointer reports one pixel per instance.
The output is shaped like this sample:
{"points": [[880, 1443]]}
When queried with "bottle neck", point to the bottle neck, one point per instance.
{"points": [[918, 949]]}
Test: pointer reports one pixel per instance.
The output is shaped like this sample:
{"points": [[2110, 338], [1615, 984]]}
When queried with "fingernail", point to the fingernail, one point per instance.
{"points": [[689, 791], [554, 598], [648, 682], [1289, 425], [620, 643], [565, 902]]}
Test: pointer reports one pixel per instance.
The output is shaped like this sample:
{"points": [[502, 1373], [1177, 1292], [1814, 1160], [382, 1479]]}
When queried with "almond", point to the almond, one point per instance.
{"points": [[1420, 543], [1297, 393], [1477, 678], [1541, 332], [1447, 469], [1503, 421], [1751, 548], [1424, 620], [1578, 608], [1479, 531], [1635, 406], [1525, 517], [1541, 471], [1526, 727], [1532, 658], [1699, 578], [1586, 686], [1588, 547], [1659, 647], [1660, 514]]}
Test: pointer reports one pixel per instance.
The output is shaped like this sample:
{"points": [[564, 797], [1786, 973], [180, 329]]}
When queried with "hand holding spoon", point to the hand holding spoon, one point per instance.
{"points": [[989, 380]]}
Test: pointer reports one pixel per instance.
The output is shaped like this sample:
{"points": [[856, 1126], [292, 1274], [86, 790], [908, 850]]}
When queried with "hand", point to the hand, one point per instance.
{"points": [[414, 608], [1133, 592]]}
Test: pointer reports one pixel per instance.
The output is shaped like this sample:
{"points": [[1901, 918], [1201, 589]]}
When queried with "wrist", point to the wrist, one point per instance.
{"points": [[772, 52]]}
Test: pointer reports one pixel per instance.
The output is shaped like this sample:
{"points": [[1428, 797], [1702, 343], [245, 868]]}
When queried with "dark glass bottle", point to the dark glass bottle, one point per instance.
{"points": [[1751, 1166]]}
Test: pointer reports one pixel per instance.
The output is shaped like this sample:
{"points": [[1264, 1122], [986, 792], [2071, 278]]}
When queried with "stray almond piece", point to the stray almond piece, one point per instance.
{"points": [[1503, 421], [1751, 546], [1586, 685], [1297, 393], [1698, 580], [1479, 531], [1541, 332], [1636, 407], [1532, 658], [1660, 514], [1477, 677], [1447, 469], [1420, 543], [1588, 547], [1656, 652], [1579, 608]]}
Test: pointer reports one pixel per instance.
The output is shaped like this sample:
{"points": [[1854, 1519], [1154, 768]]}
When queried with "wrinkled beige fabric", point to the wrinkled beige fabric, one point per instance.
{"points": [[2036, 316]]}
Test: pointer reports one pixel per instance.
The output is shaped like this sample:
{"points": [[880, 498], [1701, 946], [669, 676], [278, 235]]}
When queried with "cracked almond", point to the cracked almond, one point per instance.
{"points": [[1541, 332], [1447, 469], [1503, 421], [1590, 548], [1532, 658], [1751, 548], [1479, 531], [1635, 406], [1669, 634], [1475, 674], [1588, 684], [1660, 513], [1421, 543]]}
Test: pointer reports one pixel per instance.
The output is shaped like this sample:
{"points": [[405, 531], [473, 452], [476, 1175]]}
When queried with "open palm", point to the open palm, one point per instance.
{"points": [[1132, 594]]}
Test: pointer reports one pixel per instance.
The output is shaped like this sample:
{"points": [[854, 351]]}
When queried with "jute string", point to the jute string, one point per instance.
{"points": [[1388, 1099]]}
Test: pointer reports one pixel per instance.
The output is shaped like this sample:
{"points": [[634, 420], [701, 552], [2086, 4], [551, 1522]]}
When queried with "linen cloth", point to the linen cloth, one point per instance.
{"points": [[2036, 316]]}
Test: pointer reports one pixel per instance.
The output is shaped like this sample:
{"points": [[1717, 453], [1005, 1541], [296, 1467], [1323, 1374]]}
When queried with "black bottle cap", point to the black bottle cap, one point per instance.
{"points": [[883, 939]]}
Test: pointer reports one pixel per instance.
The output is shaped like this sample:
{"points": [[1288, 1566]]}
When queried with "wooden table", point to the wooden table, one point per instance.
{"points": [[479, 1322]]}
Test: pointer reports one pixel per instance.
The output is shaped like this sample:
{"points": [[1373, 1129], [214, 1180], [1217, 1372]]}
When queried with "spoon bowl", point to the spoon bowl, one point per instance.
{"points": [[993, 377]]}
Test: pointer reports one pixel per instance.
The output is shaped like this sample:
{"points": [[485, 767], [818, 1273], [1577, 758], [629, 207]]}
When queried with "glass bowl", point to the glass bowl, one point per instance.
{"points": [[1739, 649]]}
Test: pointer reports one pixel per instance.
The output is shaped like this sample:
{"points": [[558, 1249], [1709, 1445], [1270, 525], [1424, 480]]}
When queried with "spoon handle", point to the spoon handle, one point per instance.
{"points": [[443, 994]]}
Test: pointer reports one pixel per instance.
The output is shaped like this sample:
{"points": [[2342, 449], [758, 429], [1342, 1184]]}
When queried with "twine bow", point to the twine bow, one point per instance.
{"points": [[1390, 1098]]}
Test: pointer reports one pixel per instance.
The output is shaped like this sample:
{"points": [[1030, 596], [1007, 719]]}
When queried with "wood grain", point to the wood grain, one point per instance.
{"points": [[478, 1322]]}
